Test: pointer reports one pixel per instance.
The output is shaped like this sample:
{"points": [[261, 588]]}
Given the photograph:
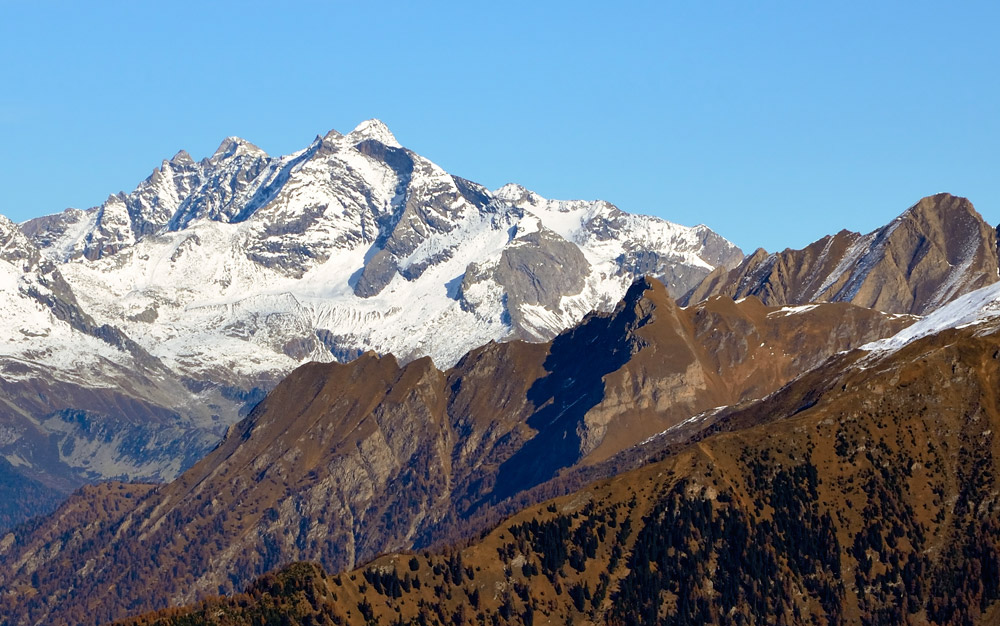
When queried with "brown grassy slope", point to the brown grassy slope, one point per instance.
{"points": [[864, 493], [342, 462]]}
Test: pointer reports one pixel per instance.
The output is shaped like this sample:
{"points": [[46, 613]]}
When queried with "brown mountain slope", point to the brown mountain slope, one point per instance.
{"points": [[937, 250], [863, 493], [344, 461]]}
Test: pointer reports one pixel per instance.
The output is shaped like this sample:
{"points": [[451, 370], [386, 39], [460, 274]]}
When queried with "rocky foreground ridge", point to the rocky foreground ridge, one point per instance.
{"points": [[864, 492]]}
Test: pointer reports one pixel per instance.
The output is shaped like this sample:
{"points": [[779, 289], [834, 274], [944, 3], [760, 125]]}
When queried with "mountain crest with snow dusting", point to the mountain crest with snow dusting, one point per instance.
{"points": [[360, 239], [214, 278]]}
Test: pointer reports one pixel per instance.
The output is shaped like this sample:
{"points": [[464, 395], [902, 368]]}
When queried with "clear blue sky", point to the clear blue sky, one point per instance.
{"points": [[773, 123]]}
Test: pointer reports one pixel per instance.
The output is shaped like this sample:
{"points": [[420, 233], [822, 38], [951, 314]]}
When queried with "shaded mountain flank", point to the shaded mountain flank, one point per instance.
{"points": [[864, 492], [345, 461], [937, 250]]}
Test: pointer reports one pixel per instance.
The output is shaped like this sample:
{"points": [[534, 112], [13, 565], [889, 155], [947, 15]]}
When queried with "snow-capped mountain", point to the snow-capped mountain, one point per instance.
{"points": [[162, 313], [247, 264]]}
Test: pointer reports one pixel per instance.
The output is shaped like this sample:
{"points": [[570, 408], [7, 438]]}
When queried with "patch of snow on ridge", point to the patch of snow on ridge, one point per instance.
{"points": [[79, 224], [792, 310], [373, 129], [694, 419], [972, 308]]}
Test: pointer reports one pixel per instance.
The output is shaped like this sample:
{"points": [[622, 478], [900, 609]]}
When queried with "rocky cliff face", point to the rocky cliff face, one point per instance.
{"points": [[344, 461], [937, 250]]}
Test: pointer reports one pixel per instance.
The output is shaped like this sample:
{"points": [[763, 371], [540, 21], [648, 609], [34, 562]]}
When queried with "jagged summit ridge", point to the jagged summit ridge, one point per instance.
{"points": [[353, 243], [181, 158]]}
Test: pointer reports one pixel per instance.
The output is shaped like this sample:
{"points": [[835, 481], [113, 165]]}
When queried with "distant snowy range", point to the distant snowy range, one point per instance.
{"points": [[134, 333]]}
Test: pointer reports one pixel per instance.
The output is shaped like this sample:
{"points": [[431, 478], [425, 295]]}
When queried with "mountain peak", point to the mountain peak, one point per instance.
{"points": [[649, 293], [8, 231], [373, 129], [940, 204], [235, 146], [515, 194], [181, 158]]}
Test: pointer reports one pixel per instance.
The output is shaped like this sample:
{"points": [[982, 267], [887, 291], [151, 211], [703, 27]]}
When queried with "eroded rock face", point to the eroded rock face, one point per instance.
{"points": [[937, 250], [541, 270], [538, 271], [344, 461], [377, 273]]}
